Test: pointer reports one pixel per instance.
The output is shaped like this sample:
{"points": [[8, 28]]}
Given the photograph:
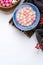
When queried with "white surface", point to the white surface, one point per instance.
{"points": [[15, 47]]}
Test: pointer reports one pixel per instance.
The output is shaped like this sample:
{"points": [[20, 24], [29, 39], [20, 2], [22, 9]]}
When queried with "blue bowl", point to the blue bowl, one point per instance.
{"points": [[27, 27]]}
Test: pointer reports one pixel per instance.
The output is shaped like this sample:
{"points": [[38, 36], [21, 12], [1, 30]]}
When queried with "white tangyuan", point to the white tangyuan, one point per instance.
{"points": [[14, 1], [26, 16]]}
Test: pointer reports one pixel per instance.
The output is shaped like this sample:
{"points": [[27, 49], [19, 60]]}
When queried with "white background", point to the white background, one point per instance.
{"points": [[15, 47]]}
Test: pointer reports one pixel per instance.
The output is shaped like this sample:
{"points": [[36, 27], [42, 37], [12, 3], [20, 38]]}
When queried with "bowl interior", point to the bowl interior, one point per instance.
{"points": [[35, 22]]}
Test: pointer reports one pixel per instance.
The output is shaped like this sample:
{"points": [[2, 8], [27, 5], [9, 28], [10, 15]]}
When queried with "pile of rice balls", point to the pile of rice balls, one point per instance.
{"points": [[26, 16], [7, 3]]}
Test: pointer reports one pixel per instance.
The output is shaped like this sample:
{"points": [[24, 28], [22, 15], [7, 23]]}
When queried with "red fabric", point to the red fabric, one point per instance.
{"points": [[39, 46], [41, 21], [42, 11]]}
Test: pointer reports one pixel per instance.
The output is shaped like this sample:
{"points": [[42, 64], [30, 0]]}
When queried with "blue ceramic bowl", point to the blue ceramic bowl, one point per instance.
{"points": [[27, 27]]}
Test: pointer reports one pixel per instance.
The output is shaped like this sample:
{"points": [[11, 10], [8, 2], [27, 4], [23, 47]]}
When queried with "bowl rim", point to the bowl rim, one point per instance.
{"points": [[31, 25]]}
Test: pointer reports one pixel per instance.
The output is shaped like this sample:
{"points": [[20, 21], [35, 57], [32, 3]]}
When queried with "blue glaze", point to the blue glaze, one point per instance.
{"points": [[27, 27]]}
